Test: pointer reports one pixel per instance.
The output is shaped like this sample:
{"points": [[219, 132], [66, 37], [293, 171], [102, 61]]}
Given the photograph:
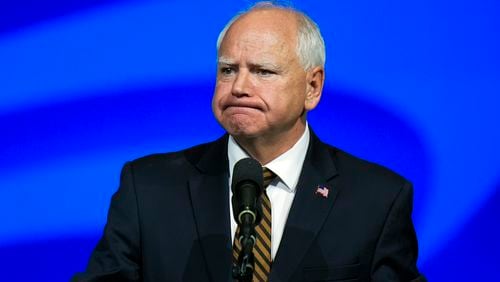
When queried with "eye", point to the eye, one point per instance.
{"points": [[227, 70], [265, 72]]}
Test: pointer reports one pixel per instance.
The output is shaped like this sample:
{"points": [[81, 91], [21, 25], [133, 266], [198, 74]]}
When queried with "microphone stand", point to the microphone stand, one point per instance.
{"points": [[243, 269], [247, 211]]}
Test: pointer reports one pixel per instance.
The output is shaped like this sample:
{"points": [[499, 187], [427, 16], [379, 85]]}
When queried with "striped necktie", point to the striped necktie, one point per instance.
{"points": [[262, 248]]}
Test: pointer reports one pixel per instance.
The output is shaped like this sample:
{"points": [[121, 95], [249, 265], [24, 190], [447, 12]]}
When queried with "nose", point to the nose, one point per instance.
{"points": [[241, 84]]}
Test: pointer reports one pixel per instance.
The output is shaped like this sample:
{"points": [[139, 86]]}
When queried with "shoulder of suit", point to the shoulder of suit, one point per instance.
{"points": [[163, 168], [175, 159], [363, 171]]}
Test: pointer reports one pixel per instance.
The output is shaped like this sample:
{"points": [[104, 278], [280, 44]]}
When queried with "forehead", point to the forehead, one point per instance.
{"points": [[263, 32]]}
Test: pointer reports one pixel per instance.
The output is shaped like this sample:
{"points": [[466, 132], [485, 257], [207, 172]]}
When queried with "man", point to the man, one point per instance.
{"points": [[334, 217]]}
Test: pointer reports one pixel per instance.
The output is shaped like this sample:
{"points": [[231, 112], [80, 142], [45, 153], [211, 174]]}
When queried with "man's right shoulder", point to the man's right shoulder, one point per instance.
{"points": [[185, 158]]}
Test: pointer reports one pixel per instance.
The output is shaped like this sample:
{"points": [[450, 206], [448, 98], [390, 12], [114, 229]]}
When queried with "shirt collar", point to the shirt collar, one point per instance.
{"points": [[287, 166]]}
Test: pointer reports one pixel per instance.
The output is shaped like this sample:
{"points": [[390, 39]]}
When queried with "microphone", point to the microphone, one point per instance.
{"points": [[247, 187], [247, 182]]}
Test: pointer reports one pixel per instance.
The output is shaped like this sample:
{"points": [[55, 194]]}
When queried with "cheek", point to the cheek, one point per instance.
{"points": [[216, 108], [217, 98], [214, 104], [293, 97], [299, 94]]}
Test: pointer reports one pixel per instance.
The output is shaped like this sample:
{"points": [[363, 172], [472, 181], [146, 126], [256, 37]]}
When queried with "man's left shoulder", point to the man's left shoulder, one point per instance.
{"points": [[358, 173]]}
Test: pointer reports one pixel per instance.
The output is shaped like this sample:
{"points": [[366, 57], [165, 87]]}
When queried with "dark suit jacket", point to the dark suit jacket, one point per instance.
{"points": [[170, 221]]}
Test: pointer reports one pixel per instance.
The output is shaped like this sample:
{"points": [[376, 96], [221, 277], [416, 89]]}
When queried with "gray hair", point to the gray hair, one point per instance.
{"points": [[310, 44]]}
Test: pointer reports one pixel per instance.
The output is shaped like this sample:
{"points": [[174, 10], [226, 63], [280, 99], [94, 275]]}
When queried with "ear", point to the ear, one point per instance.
{"points": [[315, 80]]}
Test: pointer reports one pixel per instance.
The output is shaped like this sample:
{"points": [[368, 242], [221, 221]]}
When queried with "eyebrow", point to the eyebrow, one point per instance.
{"points": [[265, 65], [229, 62], [225, 61]]}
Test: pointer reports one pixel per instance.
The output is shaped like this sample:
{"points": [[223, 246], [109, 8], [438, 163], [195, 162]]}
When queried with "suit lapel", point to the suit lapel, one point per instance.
{"points": [[208, 188], [308, 212]]}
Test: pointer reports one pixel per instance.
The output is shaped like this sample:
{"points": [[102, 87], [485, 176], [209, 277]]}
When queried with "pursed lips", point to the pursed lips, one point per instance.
{"points": [[242, 106]]}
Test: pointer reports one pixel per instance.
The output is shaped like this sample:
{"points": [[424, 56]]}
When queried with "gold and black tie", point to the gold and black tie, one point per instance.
{"points": [[262, 248]]}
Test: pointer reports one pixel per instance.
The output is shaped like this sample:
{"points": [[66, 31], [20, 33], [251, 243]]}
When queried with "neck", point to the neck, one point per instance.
{"points": [[267, 148]]}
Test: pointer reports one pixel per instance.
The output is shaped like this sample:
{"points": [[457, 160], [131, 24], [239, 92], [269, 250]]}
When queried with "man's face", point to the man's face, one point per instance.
{"points": [[261, 87]]}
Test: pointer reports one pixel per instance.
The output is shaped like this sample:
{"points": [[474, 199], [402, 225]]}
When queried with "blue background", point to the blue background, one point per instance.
{"points": [[88, 85]]}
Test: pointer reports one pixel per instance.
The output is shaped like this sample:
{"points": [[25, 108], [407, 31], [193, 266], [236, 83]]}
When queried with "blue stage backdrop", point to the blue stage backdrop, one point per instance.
{"points": [[88, 85]]}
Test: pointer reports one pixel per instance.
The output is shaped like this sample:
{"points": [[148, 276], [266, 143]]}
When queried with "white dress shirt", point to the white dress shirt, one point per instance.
{"points": [[281, 191]]}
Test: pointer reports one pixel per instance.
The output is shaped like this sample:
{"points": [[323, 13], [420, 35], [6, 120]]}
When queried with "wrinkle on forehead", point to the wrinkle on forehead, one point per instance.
{"points": [[262, 61], [255, 42]]}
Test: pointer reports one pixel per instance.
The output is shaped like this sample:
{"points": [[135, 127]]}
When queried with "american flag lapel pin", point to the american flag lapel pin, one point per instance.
{"points": [[322, 191]]}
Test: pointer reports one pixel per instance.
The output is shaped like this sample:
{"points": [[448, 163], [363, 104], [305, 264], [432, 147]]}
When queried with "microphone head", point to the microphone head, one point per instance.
{"points": [[247, 170], [247, 182]]}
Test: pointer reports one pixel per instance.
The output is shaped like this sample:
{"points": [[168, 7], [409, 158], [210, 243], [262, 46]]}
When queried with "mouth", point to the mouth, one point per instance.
{"points": [[242, 106]]}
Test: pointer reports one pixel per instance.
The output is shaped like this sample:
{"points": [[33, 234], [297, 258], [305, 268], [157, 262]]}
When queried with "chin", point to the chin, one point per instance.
{"points": [[239, 130], [242, 132], [241, 127]]}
